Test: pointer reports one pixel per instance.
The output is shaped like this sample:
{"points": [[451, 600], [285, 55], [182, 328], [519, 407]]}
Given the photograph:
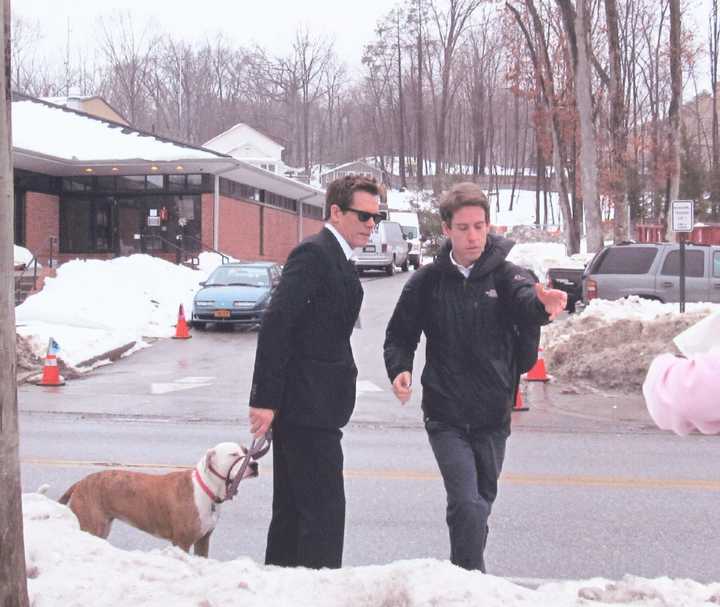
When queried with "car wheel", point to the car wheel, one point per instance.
{"points": [[390, 268]]}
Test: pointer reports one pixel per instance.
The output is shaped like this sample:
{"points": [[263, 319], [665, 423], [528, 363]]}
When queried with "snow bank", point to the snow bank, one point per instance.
{"points": [[22, 255], [69, 567], [95, 306], [610, 344]]}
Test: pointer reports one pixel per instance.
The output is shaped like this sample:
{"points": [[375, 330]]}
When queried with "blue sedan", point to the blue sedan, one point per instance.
{"points": [[235, 294]]}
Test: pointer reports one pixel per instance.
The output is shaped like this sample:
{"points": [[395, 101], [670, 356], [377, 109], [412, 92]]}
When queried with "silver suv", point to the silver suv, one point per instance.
{"points": [[652, 271]]}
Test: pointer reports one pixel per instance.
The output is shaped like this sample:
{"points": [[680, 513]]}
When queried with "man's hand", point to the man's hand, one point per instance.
{"points": [[554, 300], [260, 420], [402, 386]]}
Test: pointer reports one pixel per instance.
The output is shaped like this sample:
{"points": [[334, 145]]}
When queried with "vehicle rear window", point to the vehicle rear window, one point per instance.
{"points": [[694, 264], [622, 260]]}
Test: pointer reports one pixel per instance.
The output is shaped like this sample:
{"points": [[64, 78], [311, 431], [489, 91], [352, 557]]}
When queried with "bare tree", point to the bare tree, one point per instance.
{"points": [[129, 56], [13, 585], [618, 131], [543, 70], [673, 188], [450, 26], [714, 41]]}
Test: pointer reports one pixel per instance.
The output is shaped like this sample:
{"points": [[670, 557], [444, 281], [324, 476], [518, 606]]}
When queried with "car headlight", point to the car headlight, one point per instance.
{"points": [[244, 305], [204, 303]]}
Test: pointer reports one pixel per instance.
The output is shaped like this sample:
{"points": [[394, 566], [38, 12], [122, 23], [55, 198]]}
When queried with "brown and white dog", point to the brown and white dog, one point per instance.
{"points": [[182, 507]]}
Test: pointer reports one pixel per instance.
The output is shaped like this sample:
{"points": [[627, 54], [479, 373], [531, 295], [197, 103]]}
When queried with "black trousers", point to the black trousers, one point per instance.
{"points": [[470, 462], [308, 511]]}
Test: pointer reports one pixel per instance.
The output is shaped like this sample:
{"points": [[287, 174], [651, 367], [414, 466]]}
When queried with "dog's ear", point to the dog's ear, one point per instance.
{"points": [[208, 458]]}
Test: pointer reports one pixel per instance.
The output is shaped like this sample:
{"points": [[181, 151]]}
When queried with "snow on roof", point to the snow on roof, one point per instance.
{"points": [[239, 127], [68, 134], [347, 164]]}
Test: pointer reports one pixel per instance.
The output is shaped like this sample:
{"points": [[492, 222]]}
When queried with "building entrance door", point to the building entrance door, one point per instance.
{"points": [[129, 221]]}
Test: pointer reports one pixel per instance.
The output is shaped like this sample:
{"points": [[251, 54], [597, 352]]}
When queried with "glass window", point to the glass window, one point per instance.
{"points": [[176, 183], [186, 207], [716, 264], [409, 231], [75, 222], [194, 181], [154, 182], [102, 231], [106, 183], [694, 264], [626, 260], [77, 184], [240, 275], [131, 182]]}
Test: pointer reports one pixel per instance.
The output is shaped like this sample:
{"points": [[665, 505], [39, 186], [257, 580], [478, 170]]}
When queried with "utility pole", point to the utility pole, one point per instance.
{"points": [[13, 581]]}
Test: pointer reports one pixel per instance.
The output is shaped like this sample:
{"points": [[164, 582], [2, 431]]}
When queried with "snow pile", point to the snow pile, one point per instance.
{"points": [[22, 256], [69, 567], [92, 307], [610, 344], [539, 256]]}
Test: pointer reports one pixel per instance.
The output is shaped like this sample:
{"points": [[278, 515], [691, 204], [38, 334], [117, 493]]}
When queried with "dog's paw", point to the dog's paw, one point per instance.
{"points": [[43, 489]]}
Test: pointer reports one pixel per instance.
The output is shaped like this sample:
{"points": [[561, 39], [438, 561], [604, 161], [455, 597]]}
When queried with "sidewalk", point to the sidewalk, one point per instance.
{"points": [[585, 403]]}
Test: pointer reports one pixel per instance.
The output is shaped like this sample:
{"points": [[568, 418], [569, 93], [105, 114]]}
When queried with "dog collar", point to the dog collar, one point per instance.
{"points": [[206, 489]]}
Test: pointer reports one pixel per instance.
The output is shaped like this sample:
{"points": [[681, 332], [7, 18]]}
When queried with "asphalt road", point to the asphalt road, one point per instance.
{"points": [[580, 497]]}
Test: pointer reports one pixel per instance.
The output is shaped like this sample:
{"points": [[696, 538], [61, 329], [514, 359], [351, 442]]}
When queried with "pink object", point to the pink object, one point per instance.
{"points": [[683, 394]]}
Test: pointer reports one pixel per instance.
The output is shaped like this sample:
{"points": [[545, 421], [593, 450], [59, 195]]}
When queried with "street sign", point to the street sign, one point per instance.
{"points": [[683, 216]]}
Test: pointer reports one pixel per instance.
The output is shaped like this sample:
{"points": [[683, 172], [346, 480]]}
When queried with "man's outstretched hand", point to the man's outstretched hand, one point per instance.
{"points": [[554, 300]]}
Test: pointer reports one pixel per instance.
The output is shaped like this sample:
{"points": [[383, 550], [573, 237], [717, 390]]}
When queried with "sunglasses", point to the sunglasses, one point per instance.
{"points": [[364, 216]]}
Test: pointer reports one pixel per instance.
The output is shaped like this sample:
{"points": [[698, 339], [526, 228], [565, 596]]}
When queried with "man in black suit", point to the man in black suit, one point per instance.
{"points": [[304, 379]]}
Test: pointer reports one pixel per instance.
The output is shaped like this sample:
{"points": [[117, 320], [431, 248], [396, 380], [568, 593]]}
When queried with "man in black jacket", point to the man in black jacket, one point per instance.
{"points": [[304, 379], [468, 303]]}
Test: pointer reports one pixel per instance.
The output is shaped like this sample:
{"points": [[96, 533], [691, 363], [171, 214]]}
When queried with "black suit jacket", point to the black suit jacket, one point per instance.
{"points": [[304, 366]]}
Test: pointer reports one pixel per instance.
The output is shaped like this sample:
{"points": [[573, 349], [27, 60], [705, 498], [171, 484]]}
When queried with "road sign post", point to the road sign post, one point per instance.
{"points": [[683, 220]]}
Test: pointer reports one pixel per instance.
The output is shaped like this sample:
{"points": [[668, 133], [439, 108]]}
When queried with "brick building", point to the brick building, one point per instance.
{"points": [[90, 187]]}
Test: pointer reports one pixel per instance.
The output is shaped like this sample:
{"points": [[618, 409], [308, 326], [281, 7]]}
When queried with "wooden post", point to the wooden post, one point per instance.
{"points": [[13, 583]]}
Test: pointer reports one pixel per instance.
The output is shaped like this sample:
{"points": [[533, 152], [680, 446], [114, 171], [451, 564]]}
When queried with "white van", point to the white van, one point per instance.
{"points": [[410, 225], [386, 249]]}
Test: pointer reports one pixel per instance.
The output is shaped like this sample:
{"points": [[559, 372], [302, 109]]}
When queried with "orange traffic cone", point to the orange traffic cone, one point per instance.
{"points": [[51, 373], [181, 329], [519, 404], [538, 372]]}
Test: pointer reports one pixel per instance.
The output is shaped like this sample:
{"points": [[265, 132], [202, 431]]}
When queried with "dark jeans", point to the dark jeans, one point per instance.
{"points": [[308, 512], [470, 462]]}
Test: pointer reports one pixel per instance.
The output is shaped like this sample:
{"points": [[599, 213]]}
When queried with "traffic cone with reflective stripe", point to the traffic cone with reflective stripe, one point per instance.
{"points": [[51, 372], [538, 372], [181, 329], [519, 404]]}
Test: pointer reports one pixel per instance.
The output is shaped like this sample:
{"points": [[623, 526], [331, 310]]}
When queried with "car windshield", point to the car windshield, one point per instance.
{"points": [[239, 276]]}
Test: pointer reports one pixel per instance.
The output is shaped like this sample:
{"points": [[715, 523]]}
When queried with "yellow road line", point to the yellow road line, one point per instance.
{"points": [[418, 475]]}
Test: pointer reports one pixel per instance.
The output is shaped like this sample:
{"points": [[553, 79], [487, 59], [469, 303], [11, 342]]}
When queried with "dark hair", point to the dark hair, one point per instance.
{"points": [[465, 194], [341, 190]]}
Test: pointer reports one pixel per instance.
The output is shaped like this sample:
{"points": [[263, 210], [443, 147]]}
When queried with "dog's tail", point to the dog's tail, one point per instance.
{"points": [[66, 496]]}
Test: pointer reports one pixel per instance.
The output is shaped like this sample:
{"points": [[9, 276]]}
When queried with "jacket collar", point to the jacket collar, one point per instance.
{"points": [[496, 250], [344, 245]]}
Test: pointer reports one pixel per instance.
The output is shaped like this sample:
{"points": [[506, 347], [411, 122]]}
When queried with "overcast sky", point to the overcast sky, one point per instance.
{"points": [[271, 24]]}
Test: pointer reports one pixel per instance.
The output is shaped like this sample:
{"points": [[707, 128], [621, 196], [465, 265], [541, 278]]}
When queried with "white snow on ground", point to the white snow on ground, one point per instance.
{"points": [[69, 567], [610, 344], [92, 307], [539, 256], [22, 255]]}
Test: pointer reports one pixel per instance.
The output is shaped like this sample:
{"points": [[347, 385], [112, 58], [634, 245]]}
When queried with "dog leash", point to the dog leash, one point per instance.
{"points": [[258, 448]]}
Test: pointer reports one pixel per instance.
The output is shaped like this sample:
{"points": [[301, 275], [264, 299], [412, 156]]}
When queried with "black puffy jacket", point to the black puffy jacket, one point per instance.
{"points": [[471, 374]]}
